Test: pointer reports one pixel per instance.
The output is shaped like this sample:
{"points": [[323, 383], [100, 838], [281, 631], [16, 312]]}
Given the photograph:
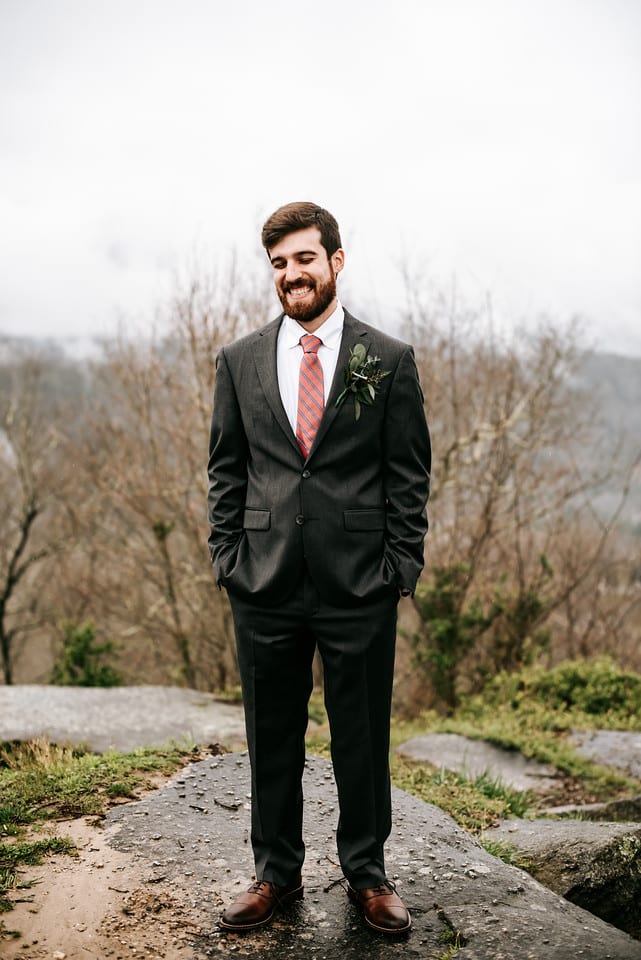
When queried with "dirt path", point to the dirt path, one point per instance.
{"points": [[98, 904]]}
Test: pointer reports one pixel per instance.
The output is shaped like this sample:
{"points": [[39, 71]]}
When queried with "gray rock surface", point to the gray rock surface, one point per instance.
{"points": [[627, 809], [474, 757], [615, 748], [595, 865], [121, 718], [194, 835]]}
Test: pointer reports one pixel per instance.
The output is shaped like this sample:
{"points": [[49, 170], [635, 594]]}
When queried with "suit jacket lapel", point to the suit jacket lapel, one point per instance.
{"points": [[266, 366], [353, 331]]}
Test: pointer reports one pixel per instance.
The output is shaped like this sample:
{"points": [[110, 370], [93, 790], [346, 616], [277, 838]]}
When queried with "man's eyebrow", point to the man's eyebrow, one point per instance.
{"points": [[298, 253]]}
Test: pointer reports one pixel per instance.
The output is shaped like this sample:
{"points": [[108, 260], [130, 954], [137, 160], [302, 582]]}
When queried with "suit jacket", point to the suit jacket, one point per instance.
{"points": [[353, 512]]}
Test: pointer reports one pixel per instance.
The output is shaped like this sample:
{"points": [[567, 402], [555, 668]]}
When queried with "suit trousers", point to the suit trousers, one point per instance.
{"points": [[275, 651]]}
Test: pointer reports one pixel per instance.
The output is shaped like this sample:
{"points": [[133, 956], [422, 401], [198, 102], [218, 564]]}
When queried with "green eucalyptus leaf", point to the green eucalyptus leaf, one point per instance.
{"points": [[357, 408]]}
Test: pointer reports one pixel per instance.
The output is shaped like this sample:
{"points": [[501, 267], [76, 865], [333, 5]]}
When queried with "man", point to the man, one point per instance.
{"points": [[318, 479]]}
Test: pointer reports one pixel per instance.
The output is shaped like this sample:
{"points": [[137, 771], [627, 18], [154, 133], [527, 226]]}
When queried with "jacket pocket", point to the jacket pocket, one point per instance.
{"points": [[358, 521], [257, 519]]}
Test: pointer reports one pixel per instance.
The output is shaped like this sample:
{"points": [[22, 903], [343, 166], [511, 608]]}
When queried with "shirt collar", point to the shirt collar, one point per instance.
{"points": [[330, 331]]}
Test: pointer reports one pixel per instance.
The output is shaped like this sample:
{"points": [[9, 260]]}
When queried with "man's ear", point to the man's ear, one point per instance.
{"points": [[337, 260]]}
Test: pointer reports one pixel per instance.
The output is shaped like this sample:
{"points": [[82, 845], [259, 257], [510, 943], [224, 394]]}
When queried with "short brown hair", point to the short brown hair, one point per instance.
{"points": [[300, 216]]}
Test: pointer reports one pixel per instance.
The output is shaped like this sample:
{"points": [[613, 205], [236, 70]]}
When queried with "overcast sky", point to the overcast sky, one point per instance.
{"points": [[497, 143]]}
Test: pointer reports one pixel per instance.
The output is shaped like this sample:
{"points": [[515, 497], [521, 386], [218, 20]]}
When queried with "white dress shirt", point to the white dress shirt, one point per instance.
{"points": [[289, 354]]}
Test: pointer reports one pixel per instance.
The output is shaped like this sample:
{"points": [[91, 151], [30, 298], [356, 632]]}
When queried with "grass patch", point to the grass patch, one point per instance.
{"points": [[449, 936], [505, 852], [475, 803], [15, 855], [316, 708], [230, 694], [538, 734], [41, 781]]}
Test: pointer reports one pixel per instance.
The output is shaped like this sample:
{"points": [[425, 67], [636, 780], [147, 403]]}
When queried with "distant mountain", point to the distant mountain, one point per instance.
{"points": [[612, 385], [615, 382], [61, 376], [12, 348]]}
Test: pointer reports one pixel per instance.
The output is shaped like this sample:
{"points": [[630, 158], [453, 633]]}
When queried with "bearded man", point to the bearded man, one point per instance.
{"points": [[319, 469]]}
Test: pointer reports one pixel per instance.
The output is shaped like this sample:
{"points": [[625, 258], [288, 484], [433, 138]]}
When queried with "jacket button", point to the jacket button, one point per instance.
{"points": [[306, 474], [300, 519]]}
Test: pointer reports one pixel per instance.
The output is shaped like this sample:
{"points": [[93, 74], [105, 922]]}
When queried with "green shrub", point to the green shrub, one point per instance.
{"points": [[81, 662], [449, 629], [595, 687], [453, 621]]}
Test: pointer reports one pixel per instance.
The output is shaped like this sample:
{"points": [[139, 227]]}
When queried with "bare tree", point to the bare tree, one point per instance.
{"points": [[142, 568], [516, 545], [31, 477]]}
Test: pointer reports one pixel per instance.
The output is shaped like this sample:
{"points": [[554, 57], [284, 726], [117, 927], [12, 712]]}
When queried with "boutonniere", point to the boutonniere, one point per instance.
{"points": [[363, 377]]}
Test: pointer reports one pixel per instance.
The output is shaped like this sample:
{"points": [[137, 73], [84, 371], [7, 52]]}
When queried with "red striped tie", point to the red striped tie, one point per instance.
{"points": [[311, 393]]}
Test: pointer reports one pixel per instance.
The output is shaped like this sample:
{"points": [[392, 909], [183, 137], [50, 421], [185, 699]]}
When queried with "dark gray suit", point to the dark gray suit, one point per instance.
{"points": [[313, 553]]}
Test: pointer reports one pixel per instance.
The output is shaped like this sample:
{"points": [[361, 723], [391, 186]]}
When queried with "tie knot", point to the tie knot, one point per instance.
{"points": [[310, 343]]}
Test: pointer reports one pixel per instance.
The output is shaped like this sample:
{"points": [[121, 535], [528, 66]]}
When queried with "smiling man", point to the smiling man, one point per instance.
{"points": [[318, 479]]}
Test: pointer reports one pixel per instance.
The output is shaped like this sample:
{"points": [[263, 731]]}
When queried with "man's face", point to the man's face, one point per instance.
{"points": [[304, 276]]}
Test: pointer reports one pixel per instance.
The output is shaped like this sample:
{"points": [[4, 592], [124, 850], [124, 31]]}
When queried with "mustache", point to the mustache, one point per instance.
{"points": [[286, 287]]}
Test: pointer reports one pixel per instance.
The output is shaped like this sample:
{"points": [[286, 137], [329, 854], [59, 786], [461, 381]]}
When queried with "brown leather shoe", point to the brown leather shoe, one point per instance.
{"points": [[257, 905], [382, 907]]}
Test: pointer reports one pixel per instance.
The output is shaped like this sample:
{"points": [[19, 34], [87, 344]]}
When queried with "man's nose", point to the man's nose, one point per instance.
{"points": [[292, 271]]}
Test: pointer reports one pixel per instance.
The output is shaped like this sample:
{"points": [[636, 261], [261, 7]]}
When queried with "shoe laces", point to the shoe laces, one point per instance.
{"points": [[384, 888], [270, 889], [341, 882], [257, 886]]}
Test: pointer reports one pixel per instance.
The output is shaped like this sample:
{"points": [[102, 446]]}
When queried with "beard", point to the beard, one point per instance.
{"points": [[305, 311]]}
